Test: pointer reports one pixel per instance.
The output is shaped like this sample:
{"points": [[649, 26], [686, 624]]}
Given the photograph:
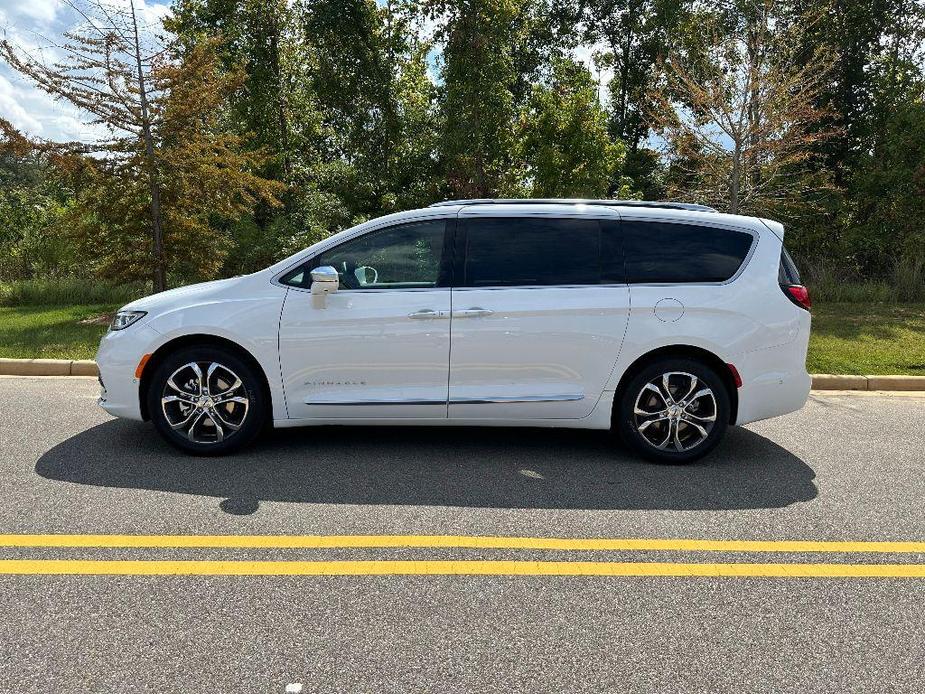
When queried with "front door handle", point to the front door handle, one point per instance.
{"points": [[428, 314], [474, 312]]}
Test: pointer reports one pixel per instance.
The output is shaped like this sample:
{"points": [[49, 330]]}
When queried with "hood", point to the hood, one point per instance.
{"points": [[174, 298]]}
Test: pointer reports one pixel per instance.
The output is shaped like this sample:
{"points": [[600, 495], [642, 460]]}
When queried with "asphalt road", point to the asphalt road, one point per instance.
{"points": [[846, 468]]}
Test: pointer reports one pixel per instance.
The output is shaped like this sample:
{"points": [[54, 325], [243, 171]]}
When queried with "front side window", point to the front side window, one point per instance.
{"points": [[668, 253], [532, 251], [408, 256]]}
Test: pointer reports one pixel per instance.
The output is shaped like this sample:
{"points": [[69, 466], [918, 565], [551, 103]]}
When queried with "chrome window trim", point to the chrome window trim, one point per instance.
{"points": [[603, 213], [496, 287], [374, 291]]}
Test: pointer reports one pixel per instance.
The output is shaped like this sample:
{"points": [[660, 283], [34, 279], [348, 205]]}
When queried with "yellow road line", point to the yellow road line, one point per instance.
{"points": [[452, 568], [448, 541]]}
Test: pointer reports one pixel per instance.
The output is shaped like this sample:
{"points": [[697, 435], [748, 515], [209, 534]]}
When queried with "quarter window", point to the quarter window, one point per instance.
{"points": [[530, 251], [787, 273], [401, 257], [667, 253]]}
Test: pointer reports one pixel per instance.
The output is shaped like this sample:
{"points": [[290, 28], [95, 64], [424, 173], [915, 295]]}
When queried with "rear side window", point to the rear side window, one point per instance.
{"points": [[667, 253], [531, 251]]}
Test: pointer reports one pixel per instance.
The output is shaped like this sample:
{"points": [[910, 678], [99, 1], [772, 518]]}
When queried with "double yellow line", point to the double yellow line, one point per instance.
{"points": [[453, 567]]}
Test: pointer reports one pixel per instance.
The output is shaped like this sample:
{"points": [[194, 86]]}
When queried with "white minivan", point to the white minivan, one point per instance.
{"points": [[665, 321]]}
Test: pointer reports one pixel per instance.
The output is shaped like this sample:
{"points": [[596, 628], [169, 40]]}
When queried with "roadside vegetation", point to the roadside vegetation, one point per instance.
{"points": [[861, 337], [867, 338], [53, 332]]}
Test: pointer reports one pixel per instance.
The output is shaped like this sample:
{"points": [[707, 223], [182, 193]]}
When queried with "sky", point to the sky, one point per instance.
{"points": [[29, 24]]}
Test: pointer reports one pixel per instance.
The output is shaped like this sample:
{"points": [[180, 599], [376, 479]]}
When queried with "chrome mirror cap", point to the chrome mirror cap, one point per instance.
{"points": [[325, 273], [325, 280]]}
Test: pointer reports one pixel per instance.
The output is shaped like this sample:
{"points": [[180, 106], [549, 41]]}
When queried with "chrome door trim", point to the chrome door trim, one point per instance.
{"points": [[354, 403], [565, 397]]}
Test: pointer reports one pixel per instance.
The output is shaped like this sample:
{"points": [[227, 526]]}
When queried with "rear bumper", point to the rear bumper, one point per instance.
{"points": [[774, 394], [774, 381]]}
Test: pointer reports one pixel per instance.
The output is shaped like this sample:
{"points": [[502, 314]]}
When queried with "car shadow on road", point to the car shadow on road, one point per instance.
{"points": [[487, 467]]}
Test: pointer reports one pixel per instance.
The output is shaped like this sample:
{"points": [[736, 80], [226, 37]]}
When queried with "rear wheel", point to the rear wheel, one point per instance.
{"points": [[673, 410], [206, 401]]}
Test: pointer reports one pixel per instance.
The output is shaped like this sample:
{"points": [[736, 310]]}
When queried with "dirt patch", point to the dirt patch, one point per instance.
{"points": [[101, 319]]}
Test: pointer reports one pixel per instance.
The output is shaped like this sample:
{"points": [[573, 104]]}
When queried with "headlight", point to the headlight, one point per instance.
{"points": [[123, 319]]}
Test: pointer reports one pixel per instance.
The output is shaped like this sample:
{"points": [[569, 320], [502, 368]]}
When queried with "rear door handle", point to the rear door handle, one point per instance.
{"points": [[474, 312], [428, 314]]}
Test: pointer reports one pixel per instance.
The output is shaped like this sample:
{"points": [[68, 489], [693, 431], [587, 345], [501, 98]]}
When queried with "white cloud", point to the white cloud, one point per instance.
{"points": [[32, 24], [12, 109], [36, 11]]}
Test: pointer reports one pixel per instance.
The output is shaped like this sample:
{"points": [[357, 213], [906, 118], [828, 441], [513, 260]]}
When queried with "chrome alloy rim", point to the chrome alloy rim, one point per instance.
{"points": [[205, 406], [675, 411]]}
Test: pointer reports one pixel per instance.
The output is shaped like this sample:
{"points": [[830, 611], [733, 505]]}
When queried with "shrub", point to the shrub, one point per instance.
{"points": [[68, 291]]}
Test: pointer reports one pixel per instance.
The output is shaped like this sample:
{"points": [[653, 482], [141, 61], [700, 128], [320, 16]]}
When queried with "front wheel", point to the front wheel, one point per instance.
{"points": [[206, 401], [673, 410]]}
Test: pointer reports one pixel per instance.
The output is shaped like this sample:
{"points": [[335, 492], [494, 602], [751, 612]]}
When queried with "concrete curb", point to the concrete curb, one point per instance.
{"points": [[833, 382], [86, 367], [48, 367]]}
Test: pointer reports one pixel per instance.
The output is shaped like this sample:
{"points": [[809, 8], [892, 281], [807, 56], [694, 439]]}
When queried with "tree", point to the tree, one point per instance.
{"points": [[636, 35], [256, 38], [32, 203], [564, 138], [164, 164], [493, 51], [105, 71], [369, 81], [740, 129]]}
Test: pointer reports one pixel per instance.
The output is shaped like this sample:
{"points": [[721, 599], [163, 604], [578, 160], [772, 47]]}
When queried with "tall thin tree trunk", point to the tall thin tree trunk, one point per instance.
{"points": [[734, 186], [276, 66], [157, 234], [753, 94]]}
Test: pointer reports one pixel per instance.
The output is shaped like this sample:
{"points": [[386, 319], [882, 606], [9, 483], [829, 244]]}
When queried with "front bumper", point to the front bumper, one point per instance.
{"points": [[117, 358]]}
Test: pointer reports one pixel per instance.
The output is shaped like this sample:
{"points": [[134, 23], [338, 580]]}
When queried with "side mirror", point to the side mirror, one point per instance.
{"points": [[324, 281]]}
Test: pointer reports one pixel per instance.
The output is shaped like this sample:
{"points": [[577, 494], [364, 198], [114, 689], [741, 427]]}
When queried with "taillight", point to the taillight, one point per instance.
{"points": [[736, 378], [799, 295]]}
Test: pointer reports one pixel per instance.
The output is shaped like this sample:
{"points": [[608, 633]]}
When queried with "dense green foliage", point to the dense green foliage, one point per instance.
{"points": [[317, 114]]}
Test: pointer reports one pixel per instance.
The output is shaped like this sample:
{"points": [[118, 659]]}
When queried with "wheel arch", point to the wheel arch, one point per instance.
{"points": [[198, 340], [684, 352]]}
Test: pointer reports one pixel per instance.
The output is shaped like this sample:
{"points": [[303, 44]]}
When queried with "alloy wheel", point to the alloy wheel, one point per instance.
{"points": [[675, 411], [205, 401]]}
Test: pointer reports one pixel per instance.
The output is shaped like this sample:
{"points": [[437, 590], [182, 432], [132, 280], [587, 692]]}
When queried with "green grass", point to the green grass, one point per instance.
{"points": [[847, 338], [51, 332], [868, 339]]}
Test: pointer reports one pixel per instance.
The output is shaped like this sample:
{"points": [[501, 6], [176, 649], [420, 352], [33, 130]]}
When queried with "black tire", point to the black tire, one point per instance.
{"points": [[658, 440], [222, 408]]}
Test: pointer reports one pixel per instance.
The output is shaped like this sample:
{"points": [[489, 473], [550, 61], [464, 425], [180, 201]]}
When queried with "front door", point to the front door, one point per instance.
{"points": [[380, 346], [539, 315]]}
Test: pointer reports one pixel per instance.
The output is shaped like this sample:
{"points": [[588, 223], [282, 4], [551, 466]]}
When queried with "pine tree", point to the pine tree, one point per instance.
{"points": [[163, 168]]}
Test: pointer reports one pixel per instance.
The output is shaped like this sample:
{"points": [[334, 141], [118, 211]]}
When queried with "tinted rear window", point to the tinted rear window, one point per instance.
{"points": [[788, 273], [513, 251], [662, 252]]}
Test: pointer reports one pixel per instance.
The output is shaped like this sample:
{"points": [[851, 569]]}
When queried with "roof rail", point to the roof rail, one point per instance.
{"points": [[577, 201]]}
